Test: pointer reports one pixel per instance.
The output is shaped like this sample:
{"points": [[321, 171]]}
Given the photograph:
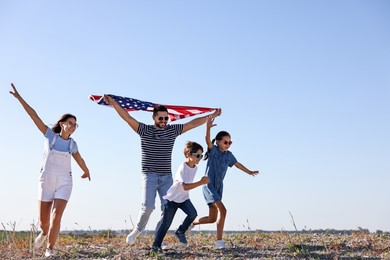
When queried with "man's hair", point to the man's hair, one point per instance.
{"points": [[159, 108]]}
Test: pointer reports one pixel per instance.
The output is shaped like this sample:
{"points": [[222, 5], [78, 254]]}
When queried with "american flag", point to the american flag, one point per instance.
{"points": [[132, 104]]}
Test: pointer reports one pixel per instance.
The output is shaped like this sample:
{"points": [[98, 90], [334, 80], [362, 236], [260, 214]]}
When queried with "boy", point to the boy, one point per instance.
{"points": [[178, 196]]}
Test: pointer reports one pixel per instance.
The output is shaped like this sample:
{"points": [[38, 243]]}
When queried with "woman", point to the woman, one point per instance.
{"points": [[55, 183]]}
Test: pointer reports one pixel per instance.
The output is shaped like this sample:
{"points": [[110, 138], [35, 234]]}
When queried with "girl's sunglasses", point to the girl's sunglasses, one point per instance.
{"points": [[227, 142]]}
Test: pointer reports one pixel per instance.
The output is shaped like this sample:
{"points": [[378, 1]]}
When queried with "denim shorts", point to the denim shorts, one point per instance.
{"points": [[211, 194]]}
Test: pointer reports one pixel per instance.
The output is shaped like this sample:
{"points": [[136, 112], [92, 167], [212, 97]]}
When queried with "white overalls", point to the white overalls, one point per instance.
{"points": [[55, 181]]}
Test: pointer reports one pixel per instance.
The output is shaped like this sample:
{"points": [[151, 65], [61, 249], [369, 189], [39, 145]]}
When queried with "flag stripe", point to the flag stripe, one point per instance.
{"points": [[131, 104]]}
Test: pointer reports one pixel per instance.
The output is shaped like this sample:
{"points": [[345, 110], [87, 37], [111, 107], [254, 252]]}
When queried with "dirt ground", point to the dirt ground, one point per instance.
{"points": [[243, 245]]}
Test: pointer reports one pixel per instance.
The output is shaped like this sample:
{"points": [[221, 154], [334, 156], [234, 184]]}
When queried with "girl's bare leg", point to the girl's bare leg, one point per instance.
{"points": [[211, 218], [221, 218]]}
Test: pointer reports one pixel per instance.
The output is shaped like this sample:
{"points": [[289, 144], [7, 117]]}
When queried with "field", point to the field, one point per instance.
{"points": [[324, 244]]}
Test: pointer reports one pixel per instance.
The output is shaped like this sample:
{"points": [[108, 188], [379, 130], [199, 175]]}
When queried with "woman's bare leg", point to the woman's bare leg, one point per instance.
{"points": [[55, 224], [44, 215]]}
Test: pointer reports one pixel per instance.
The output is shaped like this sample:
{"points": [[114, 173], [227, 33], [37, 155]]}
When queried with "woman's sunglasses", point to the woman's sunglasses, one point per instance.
{"points": [[227, 142]]}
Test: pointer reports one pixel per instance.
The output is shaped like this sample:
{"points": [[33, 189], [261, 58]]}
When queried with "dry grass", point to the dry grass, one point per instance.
{"points": [[241, 245]]}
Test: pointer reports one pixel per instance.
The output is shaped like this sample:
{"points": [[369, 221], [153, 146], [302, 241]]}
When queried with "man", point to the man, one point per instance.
{"points": [[156, 147]]}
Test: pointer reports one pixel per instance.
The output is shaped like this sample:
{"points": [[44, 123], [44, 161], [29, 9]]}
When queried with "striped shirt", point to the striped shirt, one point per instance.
{"points": [[156, 147]]}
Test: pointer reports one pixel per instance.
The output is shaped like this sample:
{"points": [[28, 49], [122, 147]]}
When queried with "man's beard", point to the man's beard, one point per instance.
{"points": [[160, 125]]}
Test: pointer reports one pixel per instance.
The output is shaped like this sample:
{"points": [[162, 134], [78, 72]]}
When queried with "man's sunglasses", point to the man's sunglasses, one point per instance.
{"points": [[163, 118]]}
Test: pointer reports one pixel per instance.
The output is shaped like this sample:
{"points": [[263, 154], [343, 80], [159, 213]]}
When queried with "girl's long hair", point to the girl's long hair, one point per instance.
{"points": [[57, 127], [219, 136]]}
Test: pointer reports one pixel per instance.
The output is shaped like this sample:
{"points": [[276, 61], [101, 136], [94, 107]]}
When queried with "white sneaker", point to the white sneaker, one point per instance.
{"points": [[49, 252], [39, 240], [219, 244], [132, 237], [164, 246]]}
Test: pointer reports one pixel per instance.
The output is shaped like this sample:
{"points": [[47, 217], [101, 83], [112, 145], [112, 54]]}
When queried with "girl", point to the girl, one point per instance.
{"points": [[55, 183], [220, 158]]}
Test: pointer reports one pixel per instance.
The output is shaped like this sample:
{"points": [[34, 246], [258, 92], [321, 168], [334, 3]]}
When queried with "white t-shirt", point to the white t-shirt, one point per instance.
{"points": [[176, 192]]}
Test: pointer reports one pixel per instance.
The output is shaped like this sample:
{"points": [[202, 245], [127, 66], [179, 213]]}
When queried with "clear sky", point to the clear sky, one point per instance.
{"points": [[304, 87]]}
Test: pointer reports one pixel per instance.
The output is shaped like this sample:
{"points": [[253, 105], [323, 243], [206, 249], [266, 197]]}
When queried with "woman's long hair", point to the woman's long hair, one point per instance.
{"points": [[57, 127]]}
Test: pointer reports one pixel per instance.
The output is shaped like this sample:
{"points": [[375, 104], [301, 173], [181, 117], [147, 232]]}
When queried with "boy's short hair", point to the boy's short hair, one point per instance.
{"points": [[192, 147]]}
